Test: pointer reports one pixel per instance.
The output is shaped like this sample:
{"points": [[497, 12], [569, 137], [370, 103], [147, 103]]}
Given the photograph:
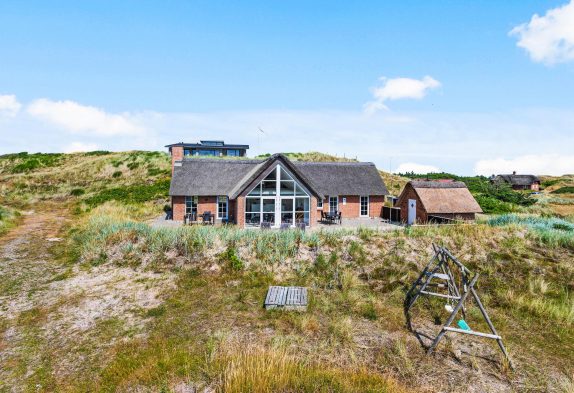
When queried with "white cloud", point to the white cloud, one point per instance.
{"points": [[399, 89], [9, 105], [550, 38], [77, 147], [416, 168], [545, 164], [82, 119]]}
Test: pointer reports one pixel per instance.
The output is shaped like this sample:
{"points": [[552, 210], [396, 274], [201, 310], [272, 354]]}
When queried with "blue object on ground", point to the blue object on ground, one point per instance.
{"points": [[463, 325]]}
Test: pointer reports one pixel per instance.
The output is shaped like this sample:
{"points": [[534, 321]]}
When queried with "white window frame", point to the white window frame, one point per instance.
{"points": [[361, 205], [226, 206], [278, 198], [336, 203], [191, 199], [319, 203]]}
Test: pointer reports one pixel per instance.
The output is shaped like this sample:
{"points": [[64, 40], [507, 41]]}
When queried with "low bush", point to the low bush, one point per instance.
{"points": [[77, 192], [564, 190], [132, 194], [548, 230]]}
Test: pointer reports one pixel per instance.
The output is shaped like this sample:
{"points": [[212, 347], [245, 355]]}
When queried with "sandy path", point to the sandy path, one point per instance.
{"points": [[57, 317]]}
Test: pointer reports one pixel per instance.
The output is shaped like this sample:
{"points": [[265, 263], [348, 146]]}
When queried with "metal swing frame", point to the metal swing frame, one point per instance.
{"points": [[441, 268]]}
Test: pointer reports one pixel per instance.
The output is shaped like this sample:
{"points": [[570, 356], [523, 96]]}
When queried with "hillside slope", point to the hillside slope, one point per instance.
{"points": [[93, 298]]}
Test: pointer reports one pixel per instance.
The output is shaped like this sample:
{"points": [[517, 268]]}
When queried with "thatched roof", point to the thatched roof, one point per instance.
{"points": [[205, 176], [517, 180], [444, 197], [344, 178]]}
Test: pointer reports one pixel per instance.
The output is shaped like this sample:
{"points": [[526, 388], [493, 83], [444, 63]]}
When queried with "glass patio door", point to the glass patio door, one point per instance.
{"points": [[268, 211]]}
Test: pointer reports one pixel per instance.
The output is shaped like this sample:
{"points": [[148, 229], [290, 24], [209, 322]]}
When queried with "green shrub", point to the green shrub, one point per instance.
{"points": [[97, 153], [564, 190], [153, 171], [29, 162], [133, 165], [548, 230], [230, 258], [77, 192], [132, 194], [116, 174]]}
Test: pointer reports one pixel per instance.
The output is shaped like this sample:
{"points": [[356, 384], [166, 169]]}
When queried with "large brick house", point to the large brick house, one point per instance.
{"points": [[422, 201], [276, 190], [518, 182]]}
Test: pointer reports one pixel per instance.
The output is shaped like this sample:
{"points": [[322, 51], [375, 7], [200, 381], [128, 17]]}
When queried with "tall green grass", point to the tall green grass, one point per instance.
{"points": [[552, 231], [102, 232]]}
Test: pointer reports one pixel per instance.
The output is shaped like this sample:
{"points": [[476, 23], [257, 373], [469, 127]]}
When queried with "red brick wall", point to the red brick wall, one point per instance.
{"points": [[178, 207], [313, 214], [240, 208], [207, 203], [403, 203], [176, 155], [353, 207], [376, 203], [232, 208]]}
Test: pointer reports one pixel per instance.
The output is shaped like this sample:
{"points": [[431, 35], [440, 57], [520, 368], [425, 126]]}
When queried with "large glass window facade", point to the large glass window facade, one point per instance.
{"points": [[277, 199]]}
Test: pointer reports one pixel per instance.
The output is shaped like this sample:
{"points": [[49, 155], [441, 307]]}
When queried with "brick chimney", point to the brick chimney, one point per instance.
{"points": [[176, 155]]}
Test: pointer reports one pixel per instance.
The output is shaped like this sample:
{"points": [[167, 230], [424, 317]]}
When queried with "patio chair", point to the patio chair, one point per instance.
{"points": [[285, 226], [227, 220], [340, 218], [265, 225], [301, 225], [206, 218]]}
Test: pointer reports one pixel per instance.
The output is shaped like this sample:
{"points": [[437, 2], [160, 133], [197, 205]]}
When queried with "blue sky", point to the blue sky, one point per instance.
{"points": [[462, 93]]}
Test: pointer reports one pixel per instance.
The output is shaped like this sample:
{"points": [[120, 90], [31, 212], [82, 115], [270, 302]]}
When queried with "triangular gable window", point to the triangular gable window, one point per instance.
{"points": [[278, 200]]}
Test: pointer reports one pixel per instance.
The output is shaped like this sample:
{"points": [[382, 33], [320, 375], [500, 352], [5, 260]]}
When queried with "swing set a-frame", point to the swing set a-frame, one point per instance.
{"points": [[446, 277]]}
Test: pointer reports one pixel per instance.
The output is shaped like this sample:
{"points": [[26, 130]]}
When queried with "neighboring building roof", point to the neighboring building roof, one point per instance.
{"points": [[444, 197], [205, 176], [209, 145], [517, 180], [344, 178]]}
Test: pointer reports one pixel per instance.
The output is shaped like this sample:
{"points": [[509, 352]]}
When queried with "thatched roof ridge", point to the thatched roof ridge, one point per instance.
{"points": [[205, 176]]}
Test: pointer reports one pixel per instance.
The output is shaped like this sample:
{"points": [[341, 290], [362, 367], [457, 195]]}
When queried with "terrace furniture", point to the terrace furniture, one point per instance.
{"points": [[332, 217], [285, 225], [265, 225], [207, 218], [227, 220], [301, 225]]}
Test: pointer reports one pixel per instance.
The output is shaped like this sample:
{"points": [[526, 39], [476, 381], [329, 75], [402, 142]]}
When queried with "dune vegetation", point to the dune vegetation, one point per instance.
{"points": [[98, 299]]}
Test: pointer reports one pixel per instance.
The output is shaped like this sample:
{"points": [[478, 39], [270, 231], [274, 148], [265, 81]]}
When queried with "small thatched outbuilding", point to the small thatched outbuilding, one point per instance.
{"points": [[423, 201]]}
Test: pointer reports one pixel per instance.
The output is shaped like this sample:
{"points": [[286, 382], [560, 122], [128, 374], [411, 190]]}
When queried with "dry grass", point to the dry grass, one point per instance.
{"points": [[262, 370]]}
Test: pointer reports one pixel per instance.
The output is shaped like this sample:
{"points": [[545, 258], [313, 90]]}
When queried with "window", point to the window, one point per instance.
{"points": [[208, 152], [233, 153], [222, 203], [191, 205], [277, 199], [333, 204], [364, 206], [319, 203]]}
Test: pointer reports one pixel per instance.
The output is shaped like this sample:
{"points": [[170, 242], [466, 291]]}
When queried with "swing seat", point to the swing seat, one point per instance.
{"points": [[463, 325], [440, 276]]}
